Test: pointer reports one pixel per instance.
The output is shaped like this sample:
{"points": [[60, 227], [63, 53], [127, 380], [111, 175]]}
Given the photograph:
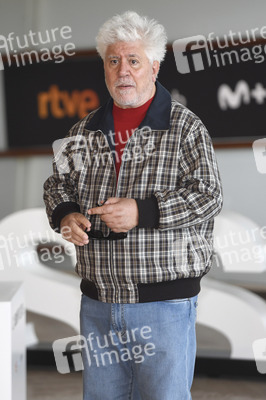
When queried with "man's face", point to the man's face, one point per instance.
{"points": [[129, 75]]}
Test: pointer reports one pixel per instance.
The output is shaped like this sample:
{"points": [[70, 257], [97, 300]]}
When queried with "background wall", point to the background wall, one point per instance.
{"points": [[21, 179]]}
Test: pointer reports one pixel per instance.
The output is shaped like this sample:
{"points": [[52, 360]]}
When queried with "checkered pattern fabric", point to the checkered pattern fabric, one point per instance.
{"points": [[178, 166]]}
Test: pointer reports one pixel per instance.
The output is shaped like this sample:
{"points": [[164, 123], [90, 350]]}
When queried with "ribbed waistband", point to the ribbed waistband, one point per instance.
{"points": [[158, 291]]}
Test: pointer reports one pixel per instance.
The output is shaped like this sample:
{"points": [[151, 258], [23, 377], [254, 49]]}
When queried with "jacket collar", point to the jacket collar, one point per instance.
{"points": [[157, 117]]}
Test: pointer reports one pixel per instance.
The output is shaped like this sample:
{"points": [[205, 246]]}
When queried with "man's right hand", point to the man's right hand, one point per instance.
{"points": [[72, 228]]}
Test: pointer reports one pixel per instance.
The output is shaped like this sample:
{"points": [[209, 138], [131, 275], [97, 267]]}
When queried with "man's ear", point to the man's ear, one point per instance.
{"points": [[155, 70]]}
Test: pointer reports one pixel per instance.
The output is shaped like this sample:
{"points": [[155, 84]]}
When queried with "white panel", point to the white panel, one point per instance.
{"points": [[181, 18], [12, 341]]}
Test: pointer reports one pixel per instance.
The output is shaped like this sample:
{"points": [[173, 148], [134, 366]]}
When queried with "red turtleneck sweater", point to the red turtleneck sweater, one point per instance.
{"points": [[126, 120]]}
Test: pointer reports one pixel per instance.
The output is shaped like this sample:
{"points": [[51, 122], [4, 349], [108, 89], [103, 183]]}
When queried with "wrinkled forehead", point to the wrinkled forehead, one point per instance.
{"points": [[126, 49]]}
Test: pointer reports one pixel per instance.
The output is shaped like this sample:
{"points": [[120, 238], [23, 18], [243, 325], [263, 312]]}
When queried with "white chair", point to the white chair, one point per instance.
{"points": [[49, 292], [235, 312], [240, 259], [240, 251], [240, 243]]}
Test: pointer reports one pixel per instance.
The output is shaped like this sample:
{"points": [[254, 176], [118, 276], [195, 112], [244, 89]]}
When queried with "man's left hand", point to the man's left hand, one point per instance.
{"points": [[119, 214]]}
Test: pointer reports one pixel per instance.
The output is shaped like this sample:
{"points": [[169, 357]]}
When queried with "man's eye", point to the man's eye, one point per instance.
{"points": [[134, 62], [114, 62]]}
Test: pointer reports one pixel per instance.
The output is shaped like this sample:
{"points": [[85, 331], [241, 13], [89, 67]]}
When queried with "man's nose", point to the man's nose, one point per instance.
{"points": [[123, 68]]}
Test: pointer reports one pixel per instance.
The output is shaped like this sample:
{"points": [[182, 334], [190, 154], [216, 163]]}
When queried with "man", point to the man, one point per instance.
{"points": [[136, 191]]}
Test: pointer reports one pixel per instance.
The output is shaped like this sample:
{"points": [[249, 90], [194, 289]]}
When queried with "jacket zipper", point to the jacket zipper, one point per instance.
{"points": [[116, 284], [117, 180], [110, 242]]}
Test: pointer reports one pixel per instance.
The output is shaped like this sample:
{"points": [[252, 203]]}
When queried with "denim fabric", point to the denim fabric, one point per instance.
{"points": [[142, 351]]}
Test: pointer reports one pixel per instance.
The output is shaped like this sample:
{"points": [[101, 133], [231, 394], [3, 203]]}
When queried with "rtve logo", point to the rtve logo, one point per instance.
{"points": [[191, 54]]}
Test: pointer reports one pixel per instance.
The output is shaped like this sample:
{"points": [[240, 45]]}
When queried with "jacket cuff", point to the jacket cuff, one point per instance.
{"points": [[148, 212], [62, 210]]}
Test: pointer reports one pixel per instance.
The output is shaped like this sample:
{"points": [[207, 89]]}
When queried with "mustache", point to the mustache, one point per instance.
{"points": [[124, 83]]}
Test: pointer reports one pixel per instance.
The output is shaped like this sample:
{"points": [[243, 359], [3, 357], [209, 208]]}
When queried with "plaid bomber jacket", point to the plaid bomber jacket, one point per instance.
{"points": [[169, 167]]}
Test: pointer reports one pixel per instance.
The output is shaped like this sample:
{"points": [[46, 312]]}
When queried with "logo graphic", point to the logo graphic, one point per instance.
{"points": [[67, 353], [77, 148], [259, 150], [22, 50], [259, 350], [191, 54], [3, 44]]}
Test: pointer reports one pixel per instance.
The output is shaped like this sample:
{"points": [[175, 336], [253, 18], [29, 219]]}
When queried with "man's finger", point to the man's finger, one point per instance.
{"points": [[79, 232], [78, 242], [103, 209], [83, 221], [76, 239], [95, 210], [112, 200], [78, 229], [73, 227], [100, 210]]}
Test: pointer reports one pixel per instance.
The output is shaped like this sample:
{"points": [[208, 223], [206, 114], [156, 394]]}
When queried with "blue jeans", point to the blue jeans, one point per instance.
{"points": [[143, 351]]}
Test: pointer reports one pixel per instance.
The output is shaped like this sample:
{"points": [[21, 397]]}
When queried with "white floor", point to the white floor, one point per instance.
{"points": [[50, 385]]}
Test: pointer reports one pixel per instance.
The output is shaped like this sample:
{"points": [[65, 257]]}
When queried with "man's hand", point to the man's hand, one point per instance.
{"points": [[119, 214], [72, 228]]}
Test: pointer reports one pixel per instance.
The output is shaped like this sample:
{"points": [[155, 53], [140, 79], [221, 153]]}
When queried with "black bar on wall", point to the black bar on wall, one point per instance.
{"points": [[45, 99]]}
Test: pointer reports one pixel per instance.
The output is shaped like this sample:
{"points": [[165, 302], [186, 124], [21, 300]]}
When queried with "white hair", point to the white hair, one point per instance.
{"points": [[129, 27]]}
